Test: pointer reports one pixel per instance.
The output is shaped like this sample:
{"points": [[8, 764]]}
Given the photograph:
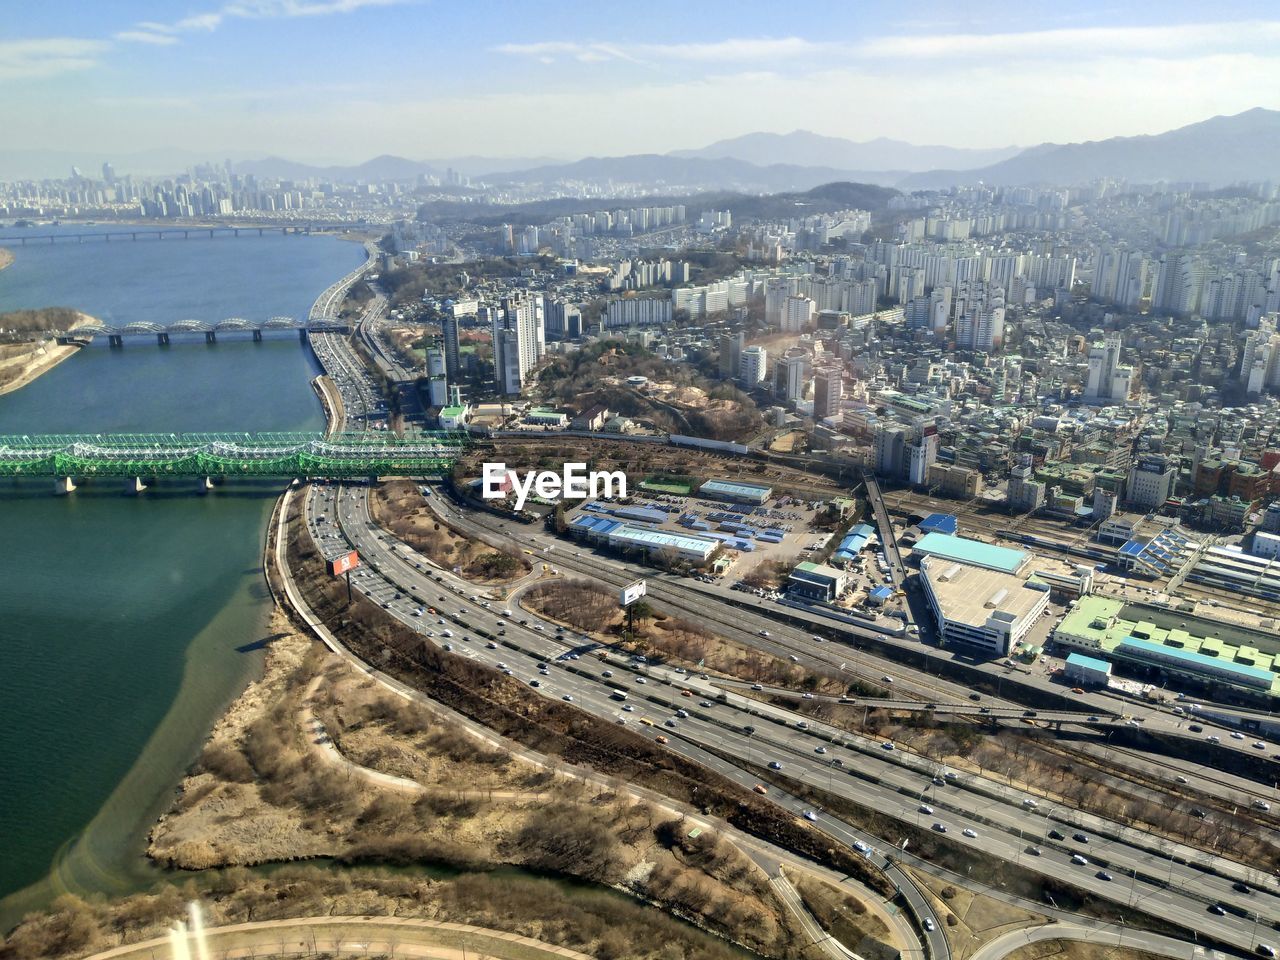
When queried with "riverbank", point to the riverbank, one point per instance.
{"points": [[6, 258], [30, 365], [19, 367]]}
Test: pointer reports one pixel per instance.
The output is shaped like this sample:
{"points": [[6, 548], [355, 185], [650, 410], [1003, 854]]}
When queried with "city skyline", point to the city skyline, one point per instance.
{"points": [[253, 78]]}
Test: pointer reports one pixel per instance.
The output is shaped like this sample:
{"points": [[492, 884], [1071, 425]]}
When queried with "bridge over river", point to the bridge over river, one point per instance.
{"points": [[115, 333], [140, 458]]}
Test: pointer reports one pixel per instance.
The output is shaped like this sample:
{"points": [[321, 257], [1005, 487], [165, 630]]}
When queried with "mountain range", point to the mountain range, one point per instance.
{"points": [[1216, 151], [803, 148]]}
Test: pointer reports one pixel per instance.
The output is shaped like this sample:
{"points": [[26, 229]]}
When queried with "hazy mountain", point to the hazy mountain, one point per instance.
{"points": [[385, 167], [826, 198], [803, 148], [694, 172], [1218, 151]]}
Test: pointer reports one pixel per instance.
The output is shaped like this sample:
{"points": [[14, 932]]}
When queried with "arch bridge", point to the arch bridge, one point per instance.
{"points": [[116, 333]]}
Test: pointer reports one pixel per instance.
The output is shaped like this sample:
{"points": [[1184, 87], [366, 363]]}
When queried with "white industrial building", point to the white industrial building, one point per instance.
{"points": [[982, 608]]}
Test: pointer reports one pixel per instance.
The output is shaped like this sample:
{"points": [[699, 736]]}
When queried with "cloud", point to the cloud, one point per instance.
{"points": [[258, 10], [733, 50], [145, 36], [47, 56], [1080, 42]]}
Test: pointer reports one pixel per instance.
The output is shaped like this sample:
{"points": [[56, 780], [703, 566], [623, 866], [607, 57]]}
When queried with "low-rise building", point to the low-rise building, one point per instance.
{"points": [[817, 581], [736, 492]]}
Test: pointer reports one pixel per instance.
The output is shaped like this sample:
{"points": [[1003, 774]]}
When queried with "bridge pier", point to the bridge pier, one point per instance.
{"points": [[162, 339], [134, 485], [302, 334], [210, 337], [115, 340], [257, 336], [260, 231], [204, 484], [63, 485], [134, 236]]}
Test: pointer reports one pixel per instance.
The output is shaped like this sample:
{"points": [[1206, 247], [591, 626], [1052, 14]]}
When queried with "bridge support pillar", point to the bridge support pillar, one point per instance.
{"points": [[204, 484], [210, 337], [162, 339], [302, 334], [63, 485], [115, 340], [257, 336], [134, 485]]}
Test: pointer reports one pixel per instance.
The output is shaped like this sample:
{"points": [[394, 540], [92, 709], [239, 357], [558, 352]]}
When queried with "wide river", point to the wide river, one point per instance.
{"points": [[128, 623]]}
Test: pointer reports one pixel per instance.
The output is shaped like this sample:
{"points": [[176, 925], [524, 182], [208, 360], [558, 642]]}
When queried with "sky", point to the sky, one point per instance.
{"points": [[343, 80]]}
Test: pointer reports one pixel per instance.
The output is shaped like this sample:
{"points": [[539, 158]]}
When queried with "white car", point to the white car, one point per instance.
{"points": [[969, 832]]}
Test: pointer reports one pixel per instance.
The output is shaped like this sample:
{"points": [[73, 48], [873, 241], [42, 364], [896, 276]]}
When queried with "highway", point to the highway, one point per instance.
{"points": [[704, 603], [1156, 876]]}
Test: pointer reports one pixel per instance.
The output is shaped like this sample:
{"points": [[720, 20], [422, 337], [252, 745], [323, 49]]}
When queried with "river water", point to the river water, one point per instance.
{"points": [[128, 623]]}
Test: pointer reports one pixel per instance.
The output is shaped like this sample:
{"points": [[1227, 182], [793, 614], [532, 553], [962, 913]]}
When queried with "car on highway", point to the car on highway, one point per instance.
{"points": [[760, 788], [704, 703], [1079, 861], [861, 847], [1259, 745], [568, 698], [1079, 838], [641, 680], [756, 686], [1261, 805], [628, 708], [1216, 909], [1056, 835], [775, 765], [970, 833], [1240, 887], [819, 749], [1213, 738], [928, 924], [925, 808], [661, 739], [1103, 875], [1237, 735], [607, 674], [1033, 850], [1265, 950], [810, 816], [940, 827], [886, 746]]}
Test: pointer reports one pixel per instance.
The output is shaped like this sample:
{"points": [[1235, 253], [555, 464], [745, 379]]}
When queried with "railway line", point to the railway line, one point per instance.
{"points": [[987, 804]]}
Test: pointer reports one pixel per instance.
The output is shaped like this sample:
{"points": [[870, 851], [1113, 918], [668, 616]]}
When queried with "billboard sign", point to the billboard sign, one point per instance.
{"points": [[340, 565], [631, 593]]}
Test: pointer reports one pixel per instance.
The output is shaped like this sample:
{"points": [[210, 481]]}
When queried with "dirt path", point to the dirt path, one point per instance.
{"points": [[356, 936]]}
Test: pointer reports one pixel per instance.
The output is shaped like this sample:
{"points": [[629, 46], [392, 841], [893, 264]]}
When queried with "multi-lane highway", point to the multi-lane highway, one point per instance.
{"points": [[1122, 864]]}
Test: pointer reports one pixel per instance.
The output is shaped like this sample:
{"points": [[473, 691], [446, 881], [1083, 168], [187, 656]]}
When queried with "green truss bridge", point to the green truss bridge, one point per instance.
{"points": [[205, 456]]}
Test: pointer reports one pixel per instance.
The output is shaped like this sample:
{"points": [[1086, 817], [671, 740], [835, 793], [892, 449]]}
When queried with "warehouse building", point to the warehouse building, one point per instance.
{"points": [[980, 607], [735, 492]]}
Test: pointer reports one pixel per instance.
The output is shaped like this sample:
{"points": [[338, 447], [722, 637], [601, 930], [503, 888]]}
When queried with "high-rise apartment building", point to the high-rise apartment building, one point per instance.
{"points": [[518, 341]]}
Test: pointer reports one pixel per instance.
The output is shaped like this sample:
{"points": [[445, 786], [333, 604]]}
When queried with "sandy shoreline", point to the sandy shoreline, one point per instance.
{"points": [[44, 356], [6, 258]]}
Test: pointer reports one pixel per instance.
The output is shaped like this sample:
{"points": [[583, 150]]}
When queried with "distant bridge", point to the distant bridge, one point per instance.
{"points": [[205, 456], [126, 232], [115, 334]]}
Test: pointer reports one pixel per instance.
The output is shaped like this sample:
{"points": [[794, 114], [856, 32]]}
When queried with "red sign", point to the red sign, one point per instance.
{"points": [[340, 565]]}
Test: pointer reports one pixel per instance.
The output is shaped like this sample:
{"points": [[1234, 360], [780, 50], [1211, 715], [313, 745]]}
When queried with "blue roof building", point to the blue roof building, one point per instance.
{"points": [[940, 523], [973, 552]]}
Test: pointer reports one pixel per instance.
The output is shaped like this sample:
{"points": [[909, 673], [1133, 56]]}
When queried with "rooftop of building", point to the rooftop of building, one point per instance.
{"points": [[735, 486], [1089, 663], [970, 595], [1109, 622], [973, 552]]}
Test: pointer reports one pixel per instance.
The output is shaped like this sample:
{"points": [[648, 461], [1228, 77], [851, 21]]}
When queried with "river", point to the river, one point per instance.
{"points": [[130, 622]]}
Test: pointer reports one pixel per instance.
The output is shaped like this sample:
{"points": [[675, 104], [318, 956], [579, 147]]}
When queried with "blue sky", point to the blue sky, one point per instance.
{"points": [[342, 80]]}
